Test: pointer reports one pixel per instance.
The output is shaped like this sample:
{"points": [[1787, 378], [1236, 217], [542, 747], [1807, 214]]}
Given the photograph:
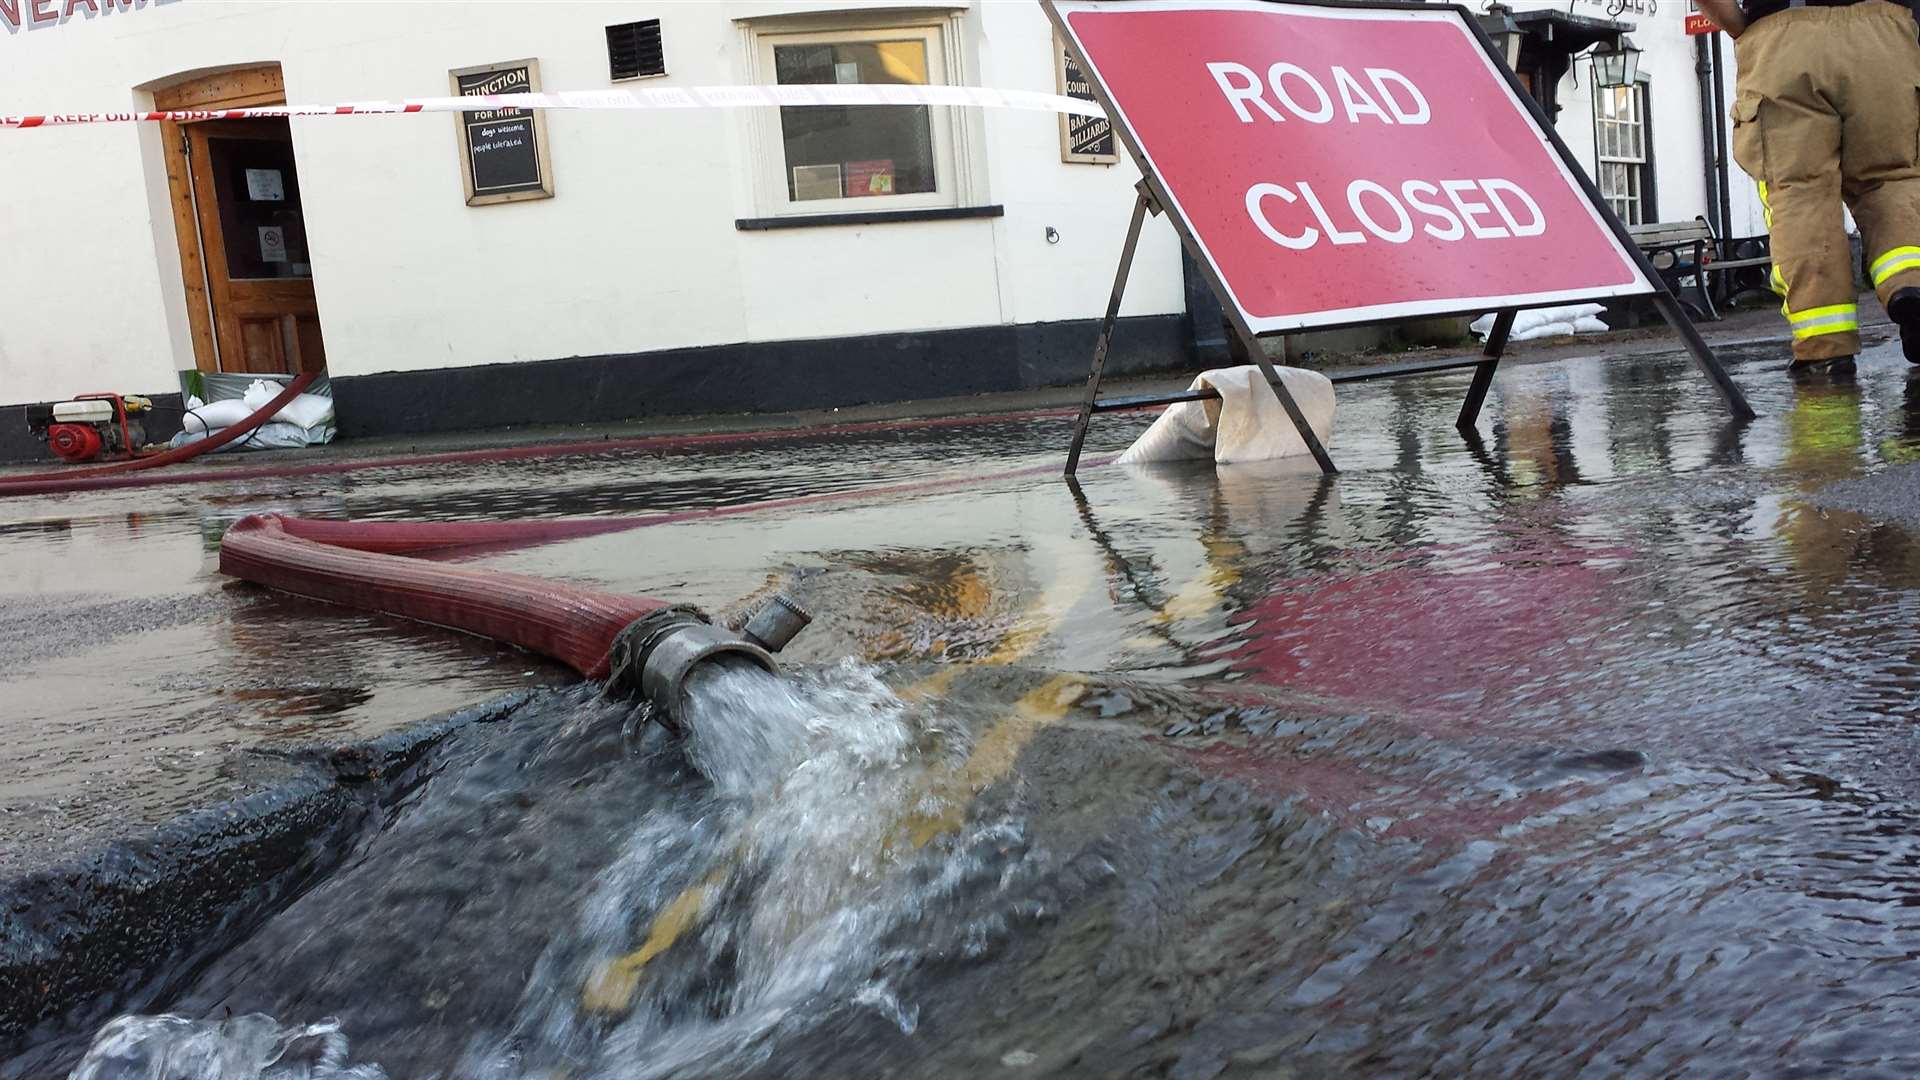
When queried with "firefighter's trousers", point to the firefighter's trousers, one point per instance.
{"points": [[1828, 109]]}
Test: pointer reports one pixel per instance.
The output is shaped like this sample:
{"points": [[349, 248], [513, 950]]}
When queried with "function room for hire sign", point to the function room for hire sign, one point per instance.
{"points": [[1339, 165]]}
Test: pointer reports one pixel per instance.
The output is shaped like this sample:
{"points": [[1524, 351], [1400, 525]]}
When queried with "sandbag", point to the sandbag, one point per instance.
{"points": [[1246, 423], [273, 436], [1547, 322], [203, 417], [306, 410]]}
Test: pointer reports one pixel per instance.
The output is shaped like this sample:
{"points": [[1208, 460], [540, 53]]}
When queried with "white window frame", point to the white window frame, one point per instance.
{"points": [[955, 184], [1631, 125]]}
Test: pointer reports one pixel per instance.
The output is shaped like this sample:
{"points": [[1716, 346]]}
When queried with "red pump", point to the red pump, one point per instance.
{"points": [[84, 479]]}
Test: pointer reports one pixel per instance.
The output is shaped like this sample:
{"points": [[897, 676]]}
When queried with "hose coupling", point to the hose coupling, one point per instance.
{"points": [[776, 623], [656, 653]]}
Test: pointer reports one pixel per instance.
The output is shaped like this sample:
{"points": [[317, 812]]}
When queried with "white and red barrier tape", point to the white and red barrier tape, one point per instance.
{"points": [[661, 97]]}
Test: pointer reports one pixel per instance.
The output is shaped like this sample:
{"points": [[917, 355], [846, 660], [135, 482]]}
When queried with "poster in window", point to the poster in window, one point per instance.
{"points": [[1085, 140], [869, 178], [503, 152], [815, 182]]}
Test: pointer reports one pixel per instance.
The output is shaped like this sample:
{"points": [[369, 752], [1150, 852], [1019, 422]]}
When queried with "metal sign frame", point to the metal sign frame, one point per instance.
{"points": [[1153, 199]]}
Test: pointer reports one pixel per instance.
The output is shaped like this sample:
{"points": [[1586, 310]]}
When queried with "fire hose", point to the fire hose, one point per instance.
{"points": [[640, 645], [106, 475]]}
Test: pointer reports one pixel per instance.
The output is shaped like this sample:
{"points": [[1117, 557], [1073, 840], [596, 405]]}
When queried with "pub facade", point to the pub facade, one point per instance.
{"points": [[487, 268]]}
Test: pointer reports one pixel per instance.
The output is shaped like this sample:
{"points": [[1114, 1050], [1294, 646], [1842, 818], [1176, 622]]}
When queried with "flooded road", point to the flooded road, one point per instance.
{"points": [[1584, 748]]}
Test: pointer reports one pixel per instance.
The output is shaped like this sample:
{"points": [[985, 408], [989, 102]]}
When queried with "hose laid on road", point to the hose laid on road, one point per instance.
{"points": [[357, 566], [515, 453], [100, 476], [641, 646]]}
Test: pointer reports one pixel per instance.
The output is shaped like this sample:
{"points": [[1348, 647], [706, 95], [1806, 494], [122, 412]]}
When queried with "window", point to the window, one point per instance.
{"points": [[633, 50], [854, 158], [1623, 151]]}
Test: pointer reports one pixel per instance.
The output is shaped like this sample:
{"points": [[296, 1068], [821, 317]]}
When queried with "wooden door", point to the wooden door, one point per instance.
{"points": [[253, 242]]}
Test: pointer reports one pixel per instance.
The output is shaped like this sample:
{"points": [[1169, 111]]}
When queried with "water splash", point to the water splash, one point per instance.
{"points": [[708, 934], [798, 883], [251, 1047]]}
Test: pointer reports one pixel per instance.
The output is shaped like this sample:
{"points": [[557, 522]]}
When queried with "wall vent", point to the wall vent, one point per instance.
{"points": [[633, 50]]}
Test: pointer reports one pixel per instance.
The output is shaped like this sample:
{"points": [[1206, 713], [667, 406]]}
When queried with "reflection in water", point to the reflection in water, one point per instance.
{"points": [[1582, 747]]}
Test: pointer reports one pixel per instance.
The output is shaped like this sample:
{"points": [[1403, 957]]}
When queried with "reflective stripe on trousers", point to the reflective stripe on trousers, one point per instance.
{"points": [[1775, 280], [1832, 319], [1899, 260]]}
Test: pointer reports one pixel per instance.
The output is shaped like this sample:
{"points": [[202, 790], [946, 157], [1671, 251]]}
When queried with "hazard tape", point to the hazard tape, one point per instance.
{"points": [[662, 97]]}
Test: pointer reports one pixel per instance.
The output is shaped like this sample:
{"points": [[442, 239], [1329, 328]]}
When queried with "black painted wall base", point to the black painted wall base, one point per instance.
{"points": [[751, 377]]}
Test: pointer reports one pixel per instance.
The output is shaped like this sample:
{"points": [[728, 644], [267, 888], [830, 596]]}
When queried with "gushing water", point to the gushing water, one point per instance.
{"points": [[175, 1048], [822, 829]]}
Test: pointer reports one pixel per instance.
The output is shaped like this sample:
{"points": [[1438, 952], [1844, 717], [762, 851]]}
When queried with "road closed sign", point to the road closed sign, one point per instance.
{"points": [[1338, 165]]}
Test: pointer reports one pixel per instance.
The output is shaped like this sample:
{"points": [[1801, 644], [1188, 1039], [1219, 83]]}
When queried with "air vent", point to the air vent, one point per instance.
{"points": [[633, 50]]}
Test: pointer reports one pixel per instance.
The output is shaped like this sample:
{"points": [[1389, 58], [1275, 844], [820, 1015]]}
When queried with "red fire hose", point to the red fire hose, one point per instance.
{"points": [[636, 642], [572, 625], [105, 475]]}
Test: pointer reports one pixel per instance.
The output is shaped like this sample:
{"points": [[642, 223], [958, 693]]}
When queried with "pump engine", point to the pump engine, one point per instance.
{"points": [[92, 426]]}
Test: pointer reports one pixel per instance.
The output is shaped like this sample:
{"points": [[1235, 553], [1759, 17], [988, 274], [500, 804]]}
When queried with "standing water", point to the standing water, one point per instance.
{"points": [[1584, 750]]}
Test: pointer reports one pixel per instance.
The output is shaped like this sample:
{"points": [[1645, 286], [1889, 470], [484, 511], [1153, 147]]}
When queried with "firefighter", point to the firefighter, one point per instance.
{"points": [[1825, 112]]}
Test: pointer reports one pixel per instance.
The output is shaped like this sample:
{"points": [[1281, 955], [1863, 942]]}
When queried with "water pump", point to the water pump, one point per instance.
{"points": [[92, 427]]}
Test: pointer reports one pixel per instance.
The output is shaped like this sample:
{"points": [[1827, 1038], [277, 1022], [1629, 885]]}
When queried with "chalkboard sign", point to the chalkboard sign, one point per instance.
{"points": [[1083, 139], [503, 152]]}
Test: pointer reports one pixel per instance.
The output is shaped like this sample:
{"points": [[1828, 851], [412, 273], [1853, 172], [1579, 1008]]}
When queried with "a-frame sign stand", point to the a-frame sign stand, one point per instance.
{"points": [[1152, 200], [1142, 206]]}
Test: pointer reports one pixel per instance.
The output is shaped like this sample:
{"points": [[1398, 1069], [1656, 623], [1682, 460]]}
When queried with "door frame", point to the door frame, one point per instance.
{"points": [[232, 88]]}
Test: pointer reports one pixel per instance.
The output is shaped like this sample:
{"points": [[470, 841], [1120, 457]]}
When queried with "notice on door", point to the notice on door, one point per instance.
{"points": [[1344, 164], [503, 152], [273, 244], [265, 185]]}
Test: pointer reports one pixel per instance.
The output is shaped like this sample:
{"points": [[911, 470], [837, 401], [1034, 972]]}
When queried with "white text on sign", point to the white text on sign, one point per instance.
{"points": [[1449, 210]]}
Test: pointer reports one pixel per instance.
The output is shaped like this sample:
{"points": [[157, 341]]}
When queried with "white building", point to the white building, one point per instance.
{"points": [[699, 259], [1649, 147], [601, 265]]}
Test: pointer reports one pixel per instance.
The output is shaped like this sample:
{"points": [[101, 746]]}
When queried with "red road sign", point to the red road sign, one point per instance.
{"points": [[1339, 165]]}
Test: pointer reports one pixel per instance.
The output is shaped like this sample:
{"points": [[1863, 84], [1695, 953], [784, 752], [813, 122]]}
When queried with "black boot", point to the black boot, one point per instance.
{"points": [[1903, 307], [1839, 368]]}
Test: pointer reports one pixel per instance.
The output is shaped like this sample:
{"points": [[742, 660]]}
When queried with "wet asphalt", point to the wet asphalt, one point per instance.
{"points": [[1614, 621]]}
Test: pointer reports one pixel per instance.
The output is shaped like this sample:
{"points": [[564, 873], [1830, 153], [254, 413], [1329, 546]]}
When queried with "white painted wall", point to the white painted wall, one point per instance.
{"points": [[1673, 95], [637, 251]]}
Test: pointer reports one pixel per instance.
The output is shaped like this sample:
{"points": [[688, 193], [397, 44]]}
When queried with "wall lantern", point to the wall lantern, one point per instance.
{"points": [[1616, 63], [1504, 32]]}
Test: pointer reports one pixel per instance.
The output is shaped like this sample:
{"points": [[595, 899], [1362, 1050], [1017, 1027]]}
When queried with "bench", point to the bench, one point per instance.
{"points": [[1688, 249]]}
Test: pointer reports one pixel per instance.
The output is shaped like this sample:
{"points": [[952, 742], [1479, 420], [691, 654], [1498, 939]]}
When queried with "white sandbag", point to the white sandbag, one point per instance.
{"points": [[1527, 324], [259, 393], [1590, 325], [273, 435], [1545, 330], [1246, 423], [215, 415], [305, 410]]}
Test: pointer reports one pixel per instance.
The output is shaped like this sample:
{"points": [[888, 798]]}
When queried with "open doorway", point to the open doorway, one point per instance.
{"points": [[242, 230]]}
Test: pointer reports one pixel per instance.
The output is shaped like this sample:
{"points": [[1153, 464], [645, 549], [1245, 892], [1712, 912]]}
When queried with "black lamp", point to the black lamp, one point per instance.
{"points": [[1505, 33], [1616, 63]]}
